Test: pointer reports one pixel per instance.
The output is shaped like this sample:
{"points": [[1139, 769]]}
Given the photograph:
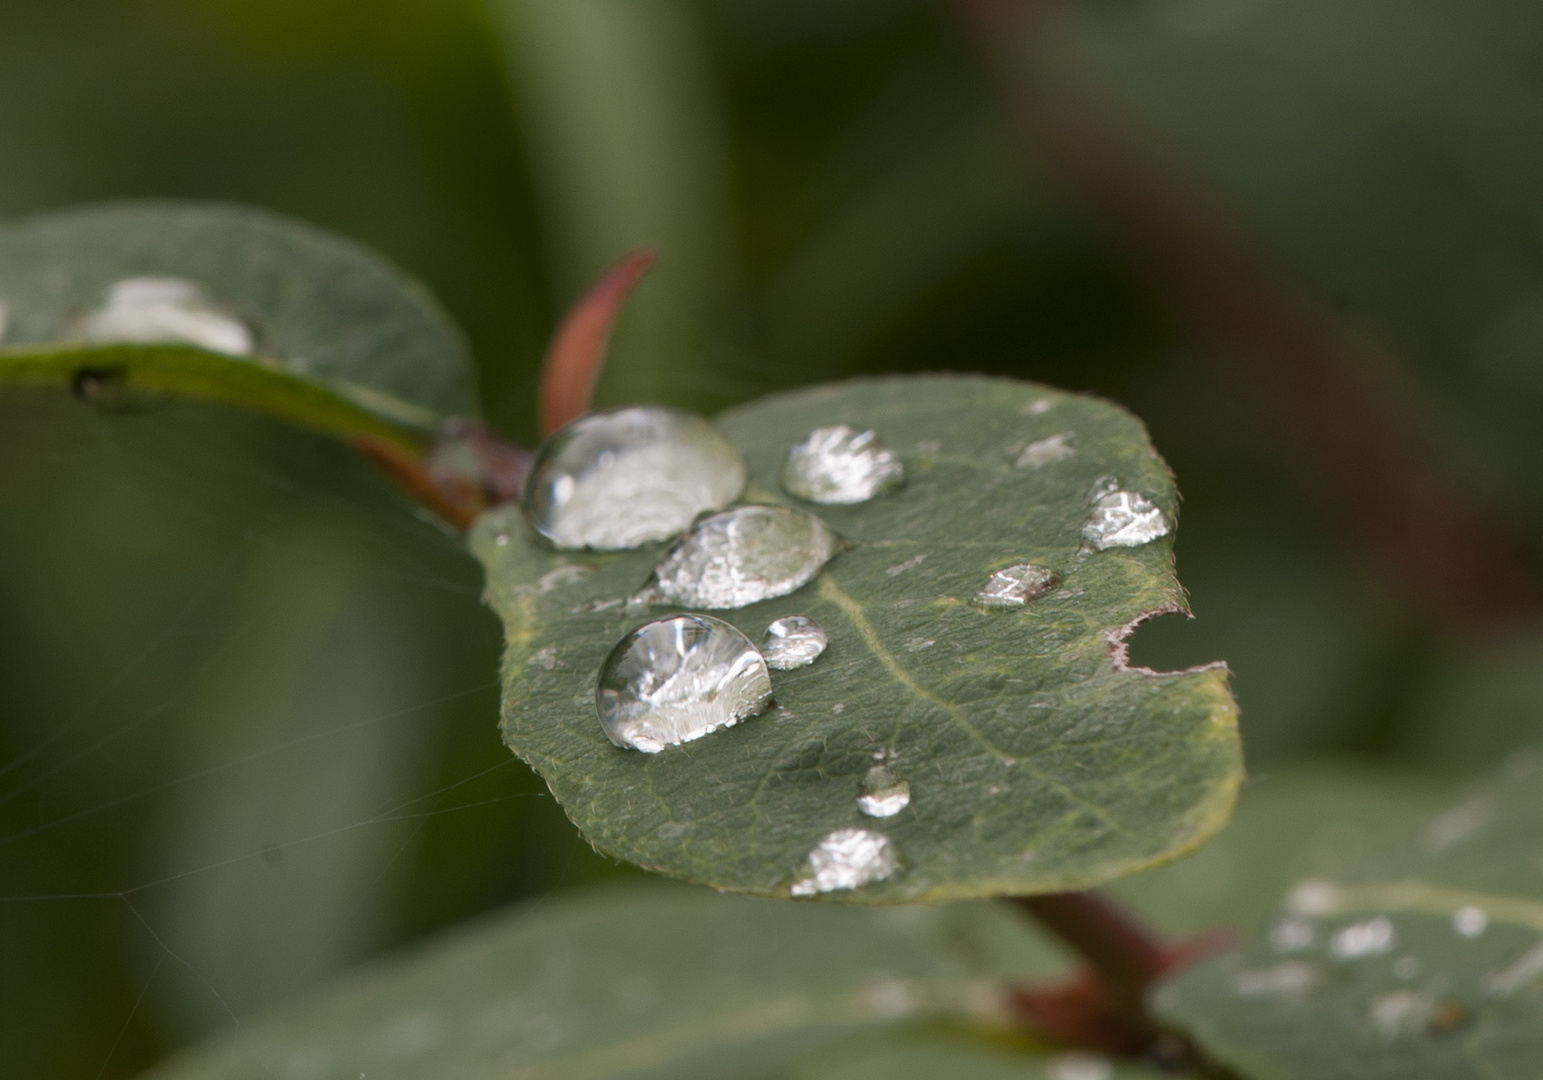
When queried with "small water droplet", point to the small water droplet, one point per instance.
{"points": [[929, 446], [839, 466], [917, 644], [1293, 935], [838, 708], [149, 310], [501, 539], [884, 794], [563, 576], [793, 642], [1046, 451], [847, 859], [1313, 898], [1293, 978], [1037, 407], [678, 679], [1080, 1065], [1016, 586], [1370, 938], [545, 659], [1400, 1014], [744, 555], [1470, 921], [1104, 485], [621, 478], [910, 564], [1124, 519]]}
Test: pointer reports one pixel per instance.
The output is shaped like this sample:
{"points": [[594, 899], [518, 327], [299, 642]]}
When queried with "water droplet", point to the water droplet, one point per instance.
{"points": [[793, 642], [1313, 898], [1045, 451], [1104, 485], [622, 478], [1037, 407], [1124, 519], [892, 998], [1400, 1014], [1290, 979], [1292, 935], [501, 539], [917, 644], [847, 859], [929, 446], [743, 555], [1080, 1065], [1370, 938], [563, 576], [162, 309], [837, 465], [545, 659], [678, 679], [884, 793], [910, 564], [1470, 921], [1016, 586]]}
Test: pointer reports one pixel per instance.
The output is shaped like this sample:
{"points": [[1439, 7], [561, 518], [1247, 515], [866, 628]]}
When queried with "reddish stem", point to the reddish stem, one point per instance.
{"points": [[1326, 394], [577, 353], [457, 504]]}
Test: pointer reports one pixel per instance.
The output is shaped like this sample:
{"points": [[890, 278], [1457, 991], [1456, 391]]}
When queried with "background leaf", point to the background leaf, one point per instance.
{"points": [[1034, 763], [639, 983], [317, 305], [1454, 990]]}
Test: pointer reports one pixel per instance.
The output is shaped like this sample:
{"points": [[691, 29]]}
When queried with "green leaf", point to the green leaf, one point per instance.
{"points": [[958, 1059], [335, 334], [1426, 961], [651, 982], [1036, 763]]}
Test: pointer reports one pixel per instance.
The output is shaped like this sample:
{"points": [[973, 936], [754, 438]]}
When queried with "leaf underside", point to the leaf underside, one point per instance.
{"points": [[1035, 762], [1430, 1000], [322, 311]]}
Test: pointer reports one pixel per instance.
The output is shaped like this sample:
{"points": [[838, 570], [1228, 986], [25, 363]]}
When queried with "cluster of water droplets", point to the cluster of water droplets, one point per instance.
{"points": [[154, 310], [847, 859]]}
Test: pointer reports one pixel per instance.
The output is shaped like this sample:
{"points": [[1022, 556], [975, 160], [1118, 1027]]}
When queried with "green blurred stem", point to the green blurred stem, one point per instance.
{"points": [[130, 376]]}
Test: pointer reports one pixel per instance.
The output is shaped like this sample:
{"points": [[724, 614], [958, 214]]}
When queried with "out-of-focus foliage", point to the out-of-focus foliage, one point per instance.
{"points": [[224, 637]]}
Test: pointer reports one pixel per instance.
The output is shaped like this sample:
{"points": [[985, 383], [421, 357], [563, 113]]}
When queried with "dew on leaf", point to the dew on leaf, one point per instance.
{"points": [[1037, 407], [1313, 898], [1370, 938], [622, 478], [1104, 485], [910, 564], [1290, 979], [1124, 519], [883, 793], [744, 555], [1292, 935], [545, 659], [151, 310], [563, 576], [1016, 586], [1400, 1014], [839, 465], [793, 642], [1515, 975], [847, 859], [1046, 451], [1080, 1065], [1470, 921], [678, 679], [501, 539]]}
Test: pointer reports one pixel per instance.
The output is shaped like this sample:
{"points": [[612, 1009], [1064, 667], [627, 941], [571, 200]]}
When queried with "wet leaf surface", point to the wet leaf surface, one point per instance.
{"points": [[1422, 959], [303, 305], [1035, 762], [650, 982]]}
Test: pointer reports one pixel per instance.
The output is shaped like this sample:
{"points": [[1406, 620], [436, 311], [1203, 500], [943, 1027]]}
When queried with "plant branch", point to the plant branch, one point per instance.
{"points": [[1326, 394], [577, 353]]}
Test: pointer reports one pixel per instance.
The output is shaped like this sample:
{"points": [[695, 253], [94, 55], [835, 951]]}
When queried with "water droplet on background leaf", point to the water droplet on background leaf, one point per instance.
{"points": [[839, 466], [1046, 451], [744, 555], [622, 478], [1292, 935], [1081, 1065], [847, 859], [884, 794], [1016, 586], [1370, 938], [1292, 978], [678, 679], [1124, 519], [151, 310], [1470, 921], [793, 642]]}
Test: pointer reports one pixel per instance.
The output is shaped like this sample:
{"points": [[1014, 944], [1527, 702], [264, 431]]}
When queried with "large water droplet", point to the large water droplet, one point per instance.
{"points": [[161, 309], [848, 859], [1016, 586], [1370, 938], [793, 642], [1124, 519], [743, 555], [622, 478], [884, 793], [837, 465], [677, 679]]}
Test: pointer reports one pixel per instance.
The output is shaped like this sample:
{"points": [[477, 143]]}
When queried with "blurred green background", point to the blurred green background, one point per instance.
{"points": [[247, 699]]}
